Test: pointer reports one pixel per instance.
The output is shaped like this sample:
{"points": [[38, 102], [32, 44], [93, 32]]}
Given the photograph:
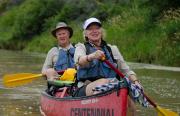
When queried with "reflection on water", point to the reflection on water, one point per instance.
{"points": [[160, 83], [24, 100], [162, 86]]}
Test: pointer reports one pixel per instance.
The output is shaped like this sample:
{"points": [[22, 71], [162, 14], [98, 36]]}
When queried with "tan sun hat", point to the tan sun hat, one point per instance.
{"points": [[62, 25]]}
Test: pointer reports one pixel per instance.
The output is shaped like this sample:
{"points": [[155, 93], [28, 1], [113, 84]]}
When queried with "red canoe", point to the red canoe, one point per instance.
{"points": [[110, 103]]}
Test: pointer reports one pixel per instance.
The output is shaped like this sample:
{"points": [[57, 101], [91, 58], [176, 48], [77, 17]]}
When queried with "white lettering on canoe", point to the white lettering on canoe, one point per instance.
{"points": [[89, 101]]}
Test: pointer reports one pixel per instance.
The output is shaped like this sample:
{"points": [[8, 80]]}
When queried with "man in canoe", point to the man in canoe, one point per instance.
{"points": [[60, 57], [91, 70]]}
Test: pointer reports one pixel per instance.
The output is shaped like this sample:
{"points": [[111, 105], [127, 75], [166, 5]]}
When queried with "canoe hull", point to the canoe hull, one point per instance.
{"points": [[113, 103]]}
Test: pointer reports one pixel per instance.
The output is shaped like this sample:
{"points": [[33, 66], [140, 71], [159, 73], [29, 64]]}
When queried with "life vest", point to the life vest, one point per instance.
{"points": [[96, 68], [65, 59]]}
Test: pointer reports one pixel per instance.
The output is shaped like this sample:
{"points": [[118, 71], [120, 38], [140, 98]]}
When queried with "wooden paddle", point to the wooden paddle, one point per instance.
{"points": [[161, 111], [13, 80]]}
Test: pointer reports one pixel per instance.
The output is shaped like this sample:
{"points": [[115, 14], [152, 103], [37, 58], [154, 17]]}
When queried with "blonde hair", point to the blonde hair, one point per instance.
{"points": [[103, 34]]}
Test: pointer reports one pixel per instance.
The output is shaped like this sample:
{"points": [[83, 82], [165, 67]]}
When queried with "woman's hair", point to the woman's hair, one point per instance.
{"points": [[103, 34]]}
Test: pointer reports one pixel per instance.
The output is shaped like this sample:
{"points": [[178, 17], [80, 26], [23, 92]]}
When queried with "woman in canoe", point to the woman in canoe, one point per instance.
{"points": [[92, 71], [61, 57]]}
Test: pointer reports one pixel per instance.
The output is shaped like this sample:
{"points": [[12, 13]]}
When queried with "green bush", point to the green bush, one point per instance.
{"points": [[39, 43], [143, 30], [31, 16], [169, 24]]}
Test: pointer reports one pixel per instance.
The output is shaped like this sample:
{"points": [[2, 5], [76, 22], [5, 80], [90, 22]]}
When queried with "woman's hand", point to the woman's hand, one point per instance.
{"points": [[135, 81], [138, 84], [97, 54], [88, 58]]}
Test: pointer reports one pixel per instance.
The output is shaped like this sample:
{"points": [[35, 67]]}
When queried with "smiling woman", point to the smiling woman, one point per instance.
{"points": [[92, 72]]}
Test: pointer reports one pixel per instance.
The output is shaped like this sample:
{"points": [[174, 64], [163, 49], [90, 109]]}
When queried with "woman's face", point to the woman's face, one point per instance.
{"points": [[62, 36], [93, 33]]}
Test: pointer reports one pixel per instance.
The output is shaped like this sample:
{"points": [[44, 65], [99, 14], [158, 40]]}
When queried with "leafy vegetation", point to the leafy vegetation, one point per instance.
{"points": [[144, 30]]}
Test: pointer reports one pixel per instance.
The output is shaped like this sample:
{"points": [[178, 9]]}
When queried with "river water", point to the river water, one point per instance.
{"points": [[161, 83]]}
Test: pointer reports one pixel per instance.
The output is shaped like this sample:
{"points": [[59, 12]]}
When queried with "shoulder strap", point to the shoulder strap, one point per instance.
{"points": [[86, 44], [110, 51]]}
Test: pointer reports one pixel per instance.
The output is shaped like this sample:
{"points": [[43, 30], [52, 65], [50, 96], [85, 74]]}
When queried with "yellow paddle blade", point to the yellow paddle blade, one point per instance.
{"points": [[13, 80], [165, 112], [68, 75]]}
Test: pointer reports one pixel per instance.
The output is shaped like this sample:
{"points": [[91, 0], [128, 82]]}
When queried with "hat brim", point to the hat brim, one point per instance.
{"points": [[68, 28], [96, 23]]}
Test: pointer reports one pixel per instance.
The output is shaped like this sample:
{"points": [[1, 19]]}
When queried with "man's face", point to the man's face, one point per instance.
{"points": [[62, 36]]}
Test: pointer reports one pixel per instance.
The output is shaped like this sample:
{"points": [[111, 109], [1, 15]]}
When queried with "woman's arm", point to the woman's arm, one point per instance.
{"points": [[122, 65], [82, 59]]}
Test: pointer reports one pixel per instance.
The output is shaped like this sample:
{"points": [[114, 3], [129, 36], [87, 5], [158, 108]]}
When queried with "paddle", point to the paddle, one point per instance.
{"points": [[161, 111], [13, 80]]}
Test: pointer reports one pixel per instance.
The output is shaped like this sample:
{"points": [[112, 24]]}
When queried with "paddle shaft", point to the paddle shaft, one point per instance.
{"points": [[29, 77], [122, 75]]}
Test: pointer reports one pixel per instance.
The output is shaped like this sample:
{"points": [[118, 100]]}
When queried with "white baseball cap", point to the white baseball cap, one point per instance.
{"points": [[90, 21]]}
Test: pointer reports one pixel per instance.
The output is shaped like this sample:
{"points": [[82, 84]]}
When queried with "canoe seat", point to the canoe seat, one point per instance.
{"points": [[60, 83], [60, 88]]}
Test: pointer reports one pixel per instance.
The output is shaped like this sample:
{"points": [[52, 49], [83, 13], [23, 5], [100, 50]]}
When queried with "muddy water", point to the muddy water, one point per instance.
{"points": [[24, 100], [161, 83]]}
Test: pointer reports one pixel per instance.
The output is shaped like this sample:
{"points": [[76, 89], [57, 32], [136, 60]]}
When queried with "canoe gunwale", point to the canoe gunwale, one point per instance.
{"points": [[45, 94]]}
